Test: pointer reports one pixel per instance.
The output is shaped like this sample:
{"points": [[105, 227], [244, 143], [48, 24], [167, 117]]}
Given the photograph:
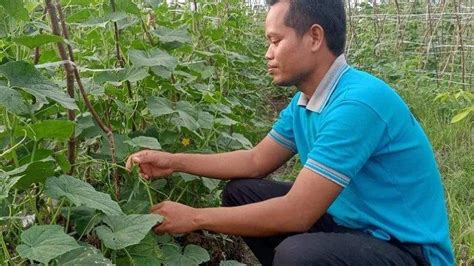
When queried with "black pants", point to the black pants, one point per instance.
{"points": [[326, 243]]}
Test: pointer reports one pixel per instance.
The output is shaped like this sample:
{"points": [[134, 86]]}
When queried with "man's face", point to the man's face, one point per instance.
{"points": [[289, 55]]}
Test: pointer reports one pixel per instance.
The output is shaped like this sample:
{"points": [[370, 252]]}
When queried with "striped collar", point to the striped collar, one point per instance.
{"points": [[326, 87]]}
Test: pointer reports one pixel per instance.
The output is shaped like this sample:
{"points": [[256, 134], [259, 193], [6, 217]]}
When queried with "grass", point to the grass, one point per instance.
{"points": [[453, 145]]}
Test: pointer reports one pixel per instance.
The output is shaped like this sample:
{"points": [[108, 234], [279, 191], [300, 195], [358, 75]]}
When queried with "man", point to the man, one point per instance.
{"points": [[369, 191]]}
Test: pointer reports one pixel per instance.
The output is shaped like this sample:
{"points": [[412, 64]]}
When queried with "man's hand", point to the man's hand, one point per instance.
{"points": [[152, 163], [178, 218]]}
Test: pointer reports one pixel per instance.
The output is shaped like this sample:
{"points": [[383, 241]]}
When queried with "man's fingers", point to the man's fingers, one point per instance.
{"points": [[128, 164], [133, 159], [160, 229], [143, 175], [156, 207]]}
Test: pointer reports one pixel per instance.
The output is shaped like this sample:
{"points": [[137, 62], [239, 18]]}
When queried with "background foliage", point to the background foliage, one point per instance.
{"points": [[187, 77]]}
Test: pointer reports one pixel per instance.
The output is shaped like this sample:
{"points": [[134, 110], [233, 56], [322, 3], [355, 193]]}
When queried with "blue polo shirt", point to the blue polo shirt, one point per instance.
{"points": [[356, 131]]}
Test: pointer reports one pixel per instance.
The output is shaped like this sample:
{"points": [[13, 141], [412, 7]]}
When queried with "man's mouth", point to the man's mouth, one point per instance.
{"points": [[271, 69]]}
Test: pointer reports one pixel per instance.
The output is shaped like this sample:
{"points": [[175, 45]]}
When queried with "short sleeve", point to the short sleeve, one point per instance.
{"points": [[350, 133], [282, 131]]}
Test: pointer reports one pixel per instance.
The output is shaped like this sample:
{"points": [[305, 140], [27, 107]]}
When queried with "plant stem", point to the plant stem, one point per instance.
{"points": [[6, 254], [53, 219], [11, 130]]}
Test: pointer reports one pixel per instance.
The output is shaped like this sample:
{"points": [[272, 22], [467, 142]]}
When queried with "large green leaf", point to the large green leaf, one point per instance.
{"points": [[45, 242], [192, 255], [196, 253], [25, 76], [127, 6], [154, 57], [123, 231], [15, 8], [205, 119], [32, 41], [185, 113], [131, 74], [168, 35], [81, 194], [53, 129], [35, 172], [160, 106], [145, 142], [103, 21], [12, 101], [83, 256]]}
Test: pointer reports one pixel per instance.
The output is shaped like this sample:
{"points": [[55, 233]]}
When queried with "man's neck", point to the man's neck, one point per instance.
{"points": [[309, 85]]}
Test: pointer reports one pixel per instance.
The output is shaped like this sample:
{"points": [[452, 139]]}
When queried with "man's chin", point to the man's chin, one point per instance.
{"points": [[283, 83]]}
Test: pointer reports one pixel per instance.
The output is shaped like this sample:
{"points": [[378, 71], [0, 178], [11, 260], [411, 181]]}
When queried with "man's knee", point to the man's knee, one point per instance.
{"points": [[232, 192], [299, 250]]}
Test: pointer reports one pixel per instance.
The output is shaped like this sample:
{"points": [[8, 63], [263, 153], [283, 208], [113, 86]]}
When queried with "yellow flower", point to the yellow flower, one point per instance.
{"points": [[186, 141]]}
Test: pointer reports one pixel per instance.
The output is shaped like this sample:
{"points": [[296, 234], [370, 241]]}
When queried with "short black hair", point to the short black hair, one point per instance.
{"points": [[329, 14]]}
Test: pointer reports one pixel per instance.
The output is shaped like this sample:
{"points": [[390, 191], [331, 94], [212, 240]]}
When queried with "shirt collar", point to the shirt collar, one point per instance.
{"points": [[326, 87]]}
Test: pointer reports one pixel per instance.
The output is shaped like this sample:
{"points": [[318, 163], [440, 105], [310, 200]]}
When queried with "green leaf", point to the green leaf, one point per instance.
{"points": [[185, 113], [15, 8], [178, 260], [226, 121], [25, 76], [160, 106], [103, 21], [205, 120], [196, 253], [242, 140], [136, 207], [83, 256], [147, 247], [186, 120], [32, 41], [161, 71], [12, 101], [53, 129], [45, 242], [461, 115], [231, 263], [210, 183], [35, 172], [193, 255], [124, 231], [6, 184], [138, 260], [188, 177], [154, 57], [145, 142], [127, 6], [131, 74], [81, 194], [168, 35]]}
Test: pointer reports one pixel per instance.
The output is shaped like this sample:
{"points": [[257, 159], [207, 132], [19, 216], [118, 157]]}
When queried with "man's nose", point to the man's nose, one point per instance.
{"points": [[269, 53]]}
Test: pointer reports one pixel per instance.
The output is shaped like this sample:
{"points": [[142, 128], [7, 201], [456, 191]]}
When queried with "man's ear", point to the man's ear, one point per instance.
{"points": [[316, 33]]}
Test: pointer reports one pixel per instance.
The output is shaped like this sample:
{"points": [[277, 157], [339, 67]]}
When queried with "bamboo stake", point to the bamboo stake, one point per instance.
{"points": [[107, 130], [69, 79]]}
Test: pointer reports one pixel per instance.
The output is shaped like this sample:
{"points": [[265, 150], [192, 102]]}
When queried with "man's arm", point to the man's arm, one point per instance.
{"points": [[259, 161], [297, 211]]}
